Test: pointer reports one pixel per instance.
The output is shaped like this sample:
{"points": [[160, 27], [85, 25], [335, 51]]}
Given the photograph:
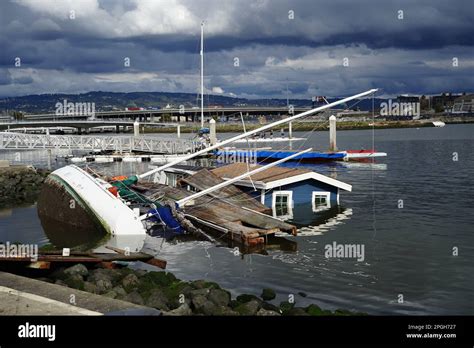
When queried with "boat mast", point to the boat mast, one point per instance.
{"points": [[202, 74], [255, 131]]}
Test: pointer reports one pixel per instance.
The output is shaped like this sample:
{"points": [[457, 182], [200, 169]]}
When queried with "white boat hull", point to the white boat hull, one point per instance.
{"points": [[97, 204]]}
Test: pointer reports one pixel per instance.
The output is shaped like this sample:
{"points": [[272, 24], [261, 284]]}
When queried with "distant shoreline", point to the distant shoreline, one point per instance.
{"points": [[319, 126]]}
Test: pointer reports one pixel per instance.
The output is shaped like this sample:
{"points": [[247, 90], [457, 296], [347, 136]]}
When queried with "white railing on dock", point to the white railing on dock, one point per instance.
{"points": [[9, 140]]}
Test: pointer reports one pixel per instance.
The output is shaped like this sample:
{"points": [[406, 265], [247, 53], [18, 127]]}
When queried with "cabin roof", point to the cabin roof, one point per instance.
{"points": [[275, 176], [205, 179]]}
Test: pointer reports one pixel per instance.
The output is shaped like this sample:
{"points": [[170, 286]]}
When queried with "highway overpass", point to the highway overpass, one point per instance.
{"points": [[186, 114], [80, 125]]}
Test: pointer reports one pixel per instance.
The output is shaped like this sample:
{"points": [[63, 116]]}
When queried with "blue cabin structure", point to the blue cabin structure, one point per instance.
{"points": [[292, 193]]}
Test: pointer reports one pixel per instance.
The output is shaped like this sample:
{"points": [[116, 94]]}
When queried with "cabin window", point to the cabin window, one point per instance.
{"points": [[173, 179], [321, 200], [282, 204]]}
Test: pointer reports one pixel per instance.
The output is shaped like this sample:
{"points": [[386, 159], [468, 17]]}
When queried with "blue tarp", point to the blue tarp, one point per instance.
{"points": [[283, 154], [164, 214]]}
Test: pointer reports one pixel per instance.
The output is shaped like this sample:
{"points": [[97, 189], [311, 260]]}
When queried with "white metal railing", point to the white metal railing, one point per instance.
{"points": [[9, 140]]}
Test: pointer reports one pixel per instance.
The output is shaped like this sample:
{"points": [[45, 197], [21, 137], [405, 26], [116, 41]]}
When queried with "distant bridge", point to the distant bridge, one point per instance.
{"points": [[79, 124], [189, 114], [19, 141]]}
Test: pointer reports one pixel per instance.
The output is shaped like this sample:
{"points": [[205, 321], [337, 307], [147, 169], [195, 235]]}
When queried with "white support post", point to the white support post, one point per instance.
{"points": [[212, 132], [178, 130], [136, 129], [290, 130], [332, 134]]}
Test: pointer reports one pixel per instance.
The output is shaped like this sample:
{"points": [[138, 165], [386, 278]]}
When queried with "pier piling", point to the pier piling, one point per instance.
{"points": [[332, 133], [212, 132]]}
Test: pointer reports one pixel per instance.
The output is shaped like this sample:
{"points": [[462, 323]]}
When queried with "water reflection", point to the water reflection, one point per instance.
{"points": [[78, 239], [324, 221]]}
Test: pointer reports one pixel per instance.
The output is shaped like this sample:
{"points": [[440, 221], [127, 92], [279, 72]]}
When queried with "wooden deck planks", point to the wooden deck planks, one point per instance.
{"points": [[242, 223], [205, 179]]}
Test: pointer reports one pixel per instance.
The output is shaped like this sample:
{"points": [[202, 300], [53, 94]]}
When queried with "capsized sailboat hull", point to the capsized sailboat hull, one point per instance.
{"points": [[74, 206]]}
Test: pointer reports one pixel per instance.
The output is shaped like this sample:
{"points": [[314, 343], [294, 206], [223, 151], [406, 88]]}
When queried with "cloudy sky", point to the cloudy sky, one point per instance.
{"points": [[252, 48]]}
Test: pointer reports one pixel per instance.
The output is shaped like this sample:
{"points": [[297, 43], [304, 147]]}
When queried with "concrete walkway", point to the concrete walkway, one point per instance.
{"points": [[25, 296], [13, 302]]}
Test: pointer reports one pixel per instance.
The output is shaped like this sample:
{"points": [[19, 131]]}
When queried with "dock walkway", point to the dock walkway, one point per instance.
{"points": [[19, 141]]}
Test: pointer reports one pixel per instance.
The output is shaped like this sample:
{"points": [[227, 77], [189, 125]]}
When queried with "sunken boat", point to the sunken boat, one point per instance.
{"points": [[74, 202]]}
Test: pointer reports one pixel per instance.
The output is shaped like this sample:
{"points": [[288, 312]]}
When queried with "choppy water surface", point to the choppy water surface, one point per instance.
{"points": [[408, 250]]}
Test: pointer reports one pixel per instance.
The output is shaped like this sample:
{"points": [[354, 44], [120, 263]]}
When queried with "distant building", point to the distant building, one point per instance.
{"points": [[318, 100], [405, 98], [425, 102], [444, 102], [463, 105]]}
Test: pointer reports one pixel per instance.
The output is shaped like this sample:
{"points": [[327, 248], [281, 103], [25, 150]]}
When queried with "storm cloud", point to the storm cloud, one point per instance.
{"points": [[256, 48]]}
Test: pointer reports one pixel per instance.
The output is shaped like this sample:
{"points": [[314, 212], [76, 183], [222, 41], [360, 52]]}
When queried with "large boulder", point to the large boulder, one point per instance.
{"points": [[111, 275], [219, 297], [209, 308], [314, 310], [111, 294], [199, 292], [74, 281], [198, 302], [134, 297], [119, 291], [130, 282], [248, 308], [159, 278], [152, 280], [103, 285], [78, 269], [268, 294], [157, 299], [90, 287], [285, 306]]}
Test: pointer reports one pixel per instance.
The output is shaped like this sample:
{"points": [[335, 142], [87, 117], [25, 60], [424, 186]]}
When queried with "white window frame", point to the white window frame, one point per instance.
{"points": [[327, 194], [290, 204]]}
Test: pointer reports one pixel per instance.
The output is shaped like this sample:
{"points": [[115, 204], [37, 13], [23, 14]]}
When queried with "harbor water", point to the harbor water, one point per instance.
{"points": [[412, 211]]}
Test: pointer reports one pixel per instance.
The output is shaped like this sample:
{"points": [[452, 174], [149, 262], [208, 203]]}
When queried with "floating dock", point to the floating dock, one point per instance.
{"points": [[272, 155]]}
